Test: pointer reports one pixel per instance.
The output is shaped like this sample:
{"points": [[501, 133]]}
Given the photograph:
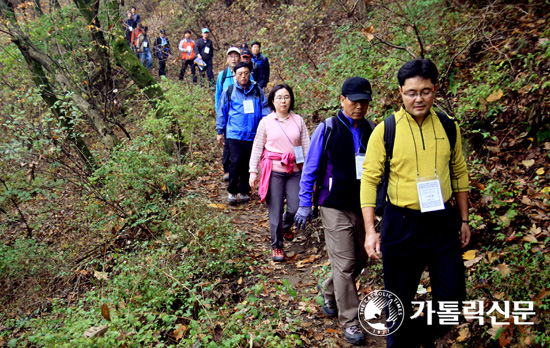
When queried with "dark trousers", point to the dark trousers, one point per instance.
{"points": [[184, 65], [209, 72], [162, 67], [239, 156], [281, 186], [410, 241], [225, 156]]}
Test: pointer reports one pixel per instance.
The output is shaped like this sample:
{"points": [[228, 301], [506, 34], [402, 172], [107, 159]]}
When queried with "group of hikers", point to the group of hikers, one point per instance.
{"points": [[414, 156], [194, 54]]}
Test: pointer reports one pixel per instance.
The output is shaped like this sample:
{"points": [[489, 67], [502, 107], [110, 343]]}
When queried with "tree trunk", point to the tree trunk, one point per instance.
{"points": [[38, 8], [100, 54], [107, 136], [127, 59], [47, 94]]}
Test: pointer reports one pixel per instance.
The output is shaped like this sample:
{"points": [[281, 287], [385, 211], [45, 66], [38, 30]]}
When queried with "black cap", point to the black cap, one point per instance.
{"points": [[356, 89], [245, 52], [162, 31]]}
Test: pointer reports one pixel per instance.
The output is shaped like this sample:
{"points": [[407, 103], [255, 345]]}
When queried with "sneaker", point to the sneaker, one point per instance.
{"points": [[243, 198], [278, 255], [354, 334], [226, 177], [288, 234], [232, 199], [329, 306]]}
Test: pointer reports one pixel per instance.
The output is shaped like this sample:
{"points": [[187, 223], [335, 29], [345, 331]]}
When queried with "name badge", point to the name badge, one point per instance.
{"points": [[189, 49], [359, 160], [248, 106], [206, 50], [429, 194], [130, 28], [145, 44], [299, 154]]}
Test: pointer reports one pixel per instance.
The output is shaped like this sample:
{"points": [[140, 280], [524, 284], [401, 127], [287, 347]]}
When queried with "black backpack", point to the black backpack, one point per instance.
{"points": [[389, 139], [323, 162]]}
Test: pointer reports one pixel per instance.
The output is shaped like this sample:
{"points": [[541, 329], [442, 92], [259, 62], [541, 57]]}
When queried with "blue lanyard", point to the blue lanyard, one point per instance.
{"points": [[354, 136], [299, 130]]}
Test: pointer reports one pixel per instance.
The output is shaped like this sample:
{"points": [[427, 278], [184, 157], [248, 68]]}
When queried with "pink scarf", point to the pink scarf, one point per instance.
{"points": [[266, 165]]}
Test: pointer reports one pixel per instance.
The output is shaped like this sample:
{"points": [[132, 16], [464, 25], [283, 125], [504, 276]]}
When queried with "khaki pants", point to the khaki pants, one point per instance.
{"points": [[345, 239]]}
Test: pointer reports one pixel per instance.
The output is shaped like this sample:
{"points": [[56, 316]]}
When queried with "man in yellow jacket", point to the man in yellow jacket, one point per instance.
{"points": [[421, 226]]}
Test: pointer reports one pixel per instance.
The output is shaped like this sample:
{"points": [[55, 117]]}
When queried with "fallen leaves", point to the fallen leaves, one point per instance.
{"points": [[105, 312], [468, 255], [368, 33], [528, 163], [504, 269], [496, 95], [96, 331]]}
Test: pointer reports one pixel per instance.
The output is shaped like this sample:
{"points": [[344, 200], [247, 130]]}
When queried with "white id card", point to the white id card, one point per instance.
{"points": [[206, 50], [299, 154], [248, 106], [189, 49], [359, 160], [145, 44], [429, 194], [130, 28]]}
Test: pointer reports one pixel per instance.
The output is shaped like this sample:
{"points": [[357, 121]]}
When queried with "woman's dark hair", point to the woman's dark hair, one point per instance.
{"points": [[243, 65], [271, 96], [424, 68], [187, 32]]}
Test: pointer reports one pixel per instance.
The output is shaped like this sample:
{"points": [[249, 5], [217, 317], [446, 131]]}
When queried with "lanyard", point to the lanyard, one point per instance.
{"points": [[299, 130], [354, 136], [415, 150]]}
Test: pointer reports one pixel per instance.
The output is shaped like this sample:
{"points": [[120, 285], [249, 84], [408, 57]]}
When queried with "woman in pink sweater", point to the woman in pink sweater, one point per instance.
{"points": [[279, 150]]}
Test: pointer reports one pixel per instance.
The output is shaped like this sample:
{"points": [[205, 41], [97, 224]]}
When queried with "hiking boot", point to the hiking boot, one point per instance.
{"points": [[278, 255], [243, 198], [232, 199], [329, 306], [288, 234], [354, 335], [226, 177]]}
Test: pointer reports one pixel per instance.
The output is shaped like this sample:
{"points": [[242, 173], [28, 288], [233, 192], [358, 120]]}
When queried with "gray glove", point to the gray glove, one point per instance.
{"points": [[303, 215]]}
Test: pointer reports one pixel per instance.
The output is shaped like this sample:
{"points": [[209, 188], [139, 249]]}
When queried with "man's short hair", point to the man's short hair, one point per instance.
{"points": [[271, 96], [256, 43], [424, 68], [187, 32], [243, 65]]}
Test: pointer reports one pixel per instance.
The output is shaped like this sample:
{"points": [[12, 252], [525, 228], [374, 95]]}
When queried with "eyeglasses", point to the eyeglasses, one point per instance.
{"points": [[425, 93], [282, 97]]}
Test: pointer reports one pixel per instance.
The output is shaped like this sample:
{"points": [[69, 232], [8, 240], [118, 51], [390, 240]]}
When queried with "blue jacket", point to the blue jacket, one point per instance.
{"points": [[222, 85], [230, 116]]}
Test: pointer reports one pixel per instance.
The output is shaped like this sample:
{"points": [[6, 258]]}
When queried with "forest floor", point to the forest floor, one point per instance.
{"points": [[305, 258]]}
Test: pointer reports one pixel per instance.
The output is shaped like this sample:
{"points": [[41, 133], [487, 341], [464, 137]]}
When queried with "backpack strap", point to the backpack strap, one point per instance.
{"points": [[382, 188], [323, 163], [449, 124], [229, 92], [224, 76]]}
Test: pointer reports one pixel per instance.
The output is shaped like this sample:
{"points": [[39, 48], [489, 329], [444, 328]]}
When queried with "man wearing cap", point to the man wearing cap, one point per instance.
{"points": [[205, 51], [187, 49], [225, 79], [239, 112], [261, 70], [336, 173], [162, 51]]}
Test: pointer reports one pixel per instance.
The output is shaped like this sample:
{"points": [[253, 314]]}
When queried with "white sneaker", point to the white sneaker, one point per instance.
{"points": [[243, 198], [232, 198]]}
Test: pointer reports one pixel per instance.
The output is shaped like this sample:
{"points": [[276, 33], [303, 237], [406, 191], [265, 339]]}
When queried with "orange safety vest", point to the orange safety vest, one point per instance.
{"points": [[135, 35], [185, 55]]}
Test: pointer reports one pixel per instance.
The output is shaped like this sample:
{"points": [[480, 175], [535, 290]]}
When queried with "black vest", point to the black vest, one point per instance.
{"points": [[344, 193]]}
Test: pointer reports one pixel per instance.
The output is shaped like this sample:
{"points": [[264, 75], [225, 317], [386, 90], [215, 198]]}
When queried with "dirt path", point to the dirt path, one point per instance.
{"points": [[306, 262]]}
